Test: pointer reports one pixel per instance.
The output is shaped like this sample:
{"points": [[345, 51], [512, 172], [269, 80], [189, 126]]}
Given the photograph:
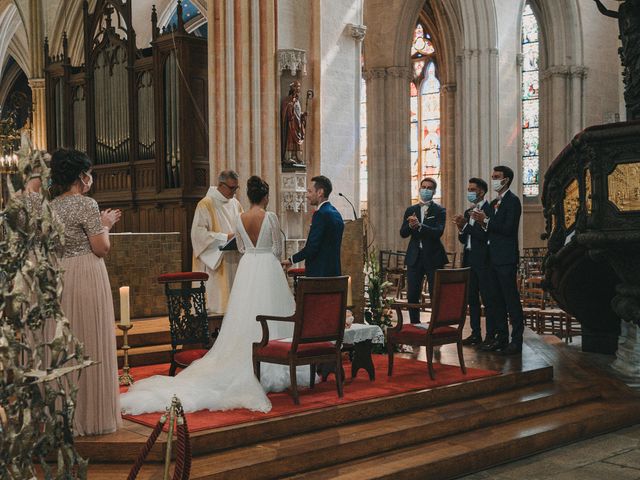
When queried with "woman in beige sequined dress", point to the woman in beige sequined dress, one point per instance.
{"points": [[86, 295]]}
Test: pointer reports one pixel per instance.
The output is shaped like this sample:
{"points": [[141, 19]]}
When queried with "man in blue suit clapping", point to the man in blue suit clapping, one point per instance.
{"points": [[423, 224], [322, 250]]}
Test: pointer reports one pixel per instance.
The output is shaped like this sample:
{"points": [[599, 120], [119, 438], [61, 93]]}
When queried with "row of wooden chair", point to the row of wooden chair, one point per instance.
{"points": [[395, 272], [542, 314]]}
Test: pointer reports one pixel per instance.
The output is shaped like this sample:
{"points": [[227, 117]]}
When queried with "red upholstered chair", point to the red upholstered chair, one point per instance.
{"points": [[296, 273], [448, 314], [321, 303], [188, 322]]}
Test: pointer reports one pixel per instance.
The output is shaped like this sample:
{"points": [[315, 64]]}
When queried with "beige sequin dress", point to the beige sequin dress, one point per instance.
{"points": [[88, 304]]}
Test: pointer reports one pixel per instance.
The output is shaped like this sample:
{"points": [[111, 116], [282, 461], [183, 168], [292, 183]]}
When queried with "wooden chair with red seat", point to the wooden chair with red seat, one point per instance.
{"points": [[188, 323], [448, 314], [321, 303], [296, 273]]}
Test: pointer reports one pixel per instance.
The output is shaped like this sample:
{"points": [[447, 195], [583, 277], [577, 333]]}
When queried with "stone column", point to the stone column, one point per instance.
{"points": [[358, 33], [36, 78], [451, 185], [39, 113], [388, 157], [242, 90]]}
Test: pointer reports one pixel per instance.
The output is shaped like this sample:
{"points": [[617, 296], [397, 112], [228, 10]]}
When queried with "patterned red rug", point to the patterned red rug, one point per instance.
{"points": [[408, 375]]}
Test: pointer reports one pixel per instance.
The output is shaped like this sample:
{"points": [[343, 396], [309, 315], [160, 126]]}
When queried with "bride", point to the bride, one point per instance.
{"points": [[224, 379]]}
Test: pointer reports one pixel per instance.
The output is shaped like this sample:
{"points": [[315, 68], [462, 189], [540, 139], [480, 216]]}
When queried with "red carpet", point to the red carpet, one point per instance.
{"points": [[408, 375]]}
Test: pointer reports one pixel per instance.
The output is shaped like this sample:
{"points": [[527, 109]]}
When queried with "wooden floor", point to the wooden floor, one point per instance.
{"points": [[551, 396]]}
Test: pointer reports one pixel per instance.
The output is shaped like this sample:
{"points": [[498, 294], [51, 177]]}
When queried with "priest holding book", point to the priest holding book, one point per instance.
{"points": [[214, 223]]}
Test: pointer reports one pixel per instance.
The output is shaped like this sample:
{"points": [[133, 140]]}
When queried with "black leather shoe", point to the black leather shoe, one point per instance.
{"points": [[495, 345], [487, 341], [472, 340], [512, 349]]}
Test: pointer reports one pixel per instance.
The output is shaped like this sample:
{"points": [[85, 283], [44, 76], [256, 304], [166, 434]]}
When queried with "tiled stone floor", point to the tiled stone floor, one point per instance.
{"points": [[615, 456]]}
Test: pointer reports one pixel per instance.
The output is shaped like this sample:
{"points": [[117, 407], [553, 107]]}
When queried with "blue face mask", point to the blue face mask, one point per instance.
{"points": [[426, 194], [472, 197]]}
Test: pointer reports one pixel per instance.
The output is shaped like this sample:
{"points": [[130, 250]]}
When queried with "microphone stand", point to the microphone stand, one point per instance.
{"points": [[355, 215]]}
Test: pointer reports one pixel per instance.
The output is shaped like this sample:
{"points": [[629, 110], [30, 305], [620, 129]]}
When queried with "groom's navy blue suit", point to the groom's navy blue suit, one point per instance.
{"points": [[321, 253]]}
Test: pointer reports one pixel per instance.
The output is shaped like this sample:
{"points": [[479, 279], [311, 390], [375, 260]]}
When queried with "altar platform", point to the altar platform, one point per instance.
{"points": [[551, 396]]}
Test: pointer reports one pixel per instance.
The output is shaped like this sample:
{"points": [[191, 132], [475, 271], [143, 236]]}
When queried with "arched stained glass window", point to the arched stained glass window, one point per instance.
{"points": [[530, 103], [194, 21], [425, 112]]}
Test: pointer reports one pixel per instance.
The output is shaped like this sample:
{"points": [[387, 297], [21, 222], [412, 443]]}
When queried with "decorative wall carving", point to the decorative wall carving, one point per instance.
{"points": [[293, 191], [357, 31], [401, 72], [292, 59], [624, 187], [568, 71], [372, 73], [571, 203]]}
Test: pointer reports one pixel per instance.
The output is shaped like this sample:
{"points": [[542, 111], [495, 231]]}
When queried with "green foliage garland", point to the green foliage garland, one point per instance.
{"points": [[38, 378]]}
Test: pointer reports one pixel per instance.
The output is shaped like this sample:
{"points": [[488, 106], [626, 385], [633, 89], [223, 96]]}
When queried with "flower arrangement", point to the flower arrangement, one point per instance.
{"points": [[377, 309]]}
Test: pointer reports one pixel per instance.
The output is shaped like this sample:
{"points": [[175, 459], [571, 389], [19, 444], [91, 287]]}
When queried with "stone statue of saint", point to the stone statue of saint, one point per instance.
{"points": [[628, 16], [294, 122]]}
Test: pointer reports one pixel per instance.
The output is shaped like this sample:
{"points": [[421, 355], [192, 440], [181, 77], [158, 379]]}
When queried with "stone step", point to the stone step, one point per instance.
{"points": [[315, 450], [125, 448], [476, 450]]}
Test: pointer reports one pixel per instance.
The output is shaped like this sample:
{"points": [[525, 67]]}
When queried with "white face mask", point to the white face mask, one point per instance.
{"points": [[497, 184]]}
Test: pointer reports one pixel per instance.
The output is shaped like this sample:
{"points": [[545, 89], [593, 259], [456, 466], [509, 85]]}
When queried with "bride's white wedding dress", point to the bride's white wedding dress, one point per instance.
{"points": [[223, 379]]}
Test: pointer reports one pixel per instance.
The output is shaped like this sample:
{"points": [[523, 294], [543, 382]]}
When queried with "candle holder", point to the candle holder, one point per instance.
{"points": [[125, 379]]}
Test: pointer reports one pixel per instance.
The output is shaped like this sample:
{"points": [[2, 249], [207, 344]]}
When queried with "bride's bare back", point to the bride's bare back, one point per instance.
{"points": [[252, 223]]}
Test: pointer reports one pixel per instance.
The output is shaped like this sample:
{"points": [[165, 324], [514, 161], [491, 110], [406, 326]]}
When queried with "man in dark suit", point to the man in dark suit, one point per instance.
{"points": [[502, 233], [321, 253], [476, 256], [424, 225]]}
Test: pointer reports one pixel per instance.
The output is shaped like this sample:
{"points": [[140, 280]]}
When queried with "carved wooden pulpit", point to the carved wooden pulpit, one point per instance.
{"points": [[591, 199]]}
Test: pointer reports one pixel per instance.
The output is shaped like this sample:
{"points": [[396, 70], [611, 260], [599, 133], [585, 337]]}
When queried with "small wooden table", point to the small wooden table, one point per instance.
{"points": [[358, 340]]}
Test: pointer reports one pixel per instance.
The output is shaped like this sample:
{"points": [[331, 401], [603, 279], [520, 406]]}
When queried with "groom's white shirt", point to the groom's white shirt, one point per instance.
{"points": [[206, 241]]}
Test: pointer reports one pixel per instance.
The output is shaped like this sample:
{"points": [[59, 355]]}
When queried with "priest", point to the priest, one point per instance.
{"points": [[213, 227]]}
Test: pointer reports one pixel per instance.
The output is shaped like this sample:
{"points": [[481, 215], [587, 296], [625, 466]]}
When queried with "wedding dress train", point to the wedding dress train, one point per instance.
{"points": [[224, 379]]}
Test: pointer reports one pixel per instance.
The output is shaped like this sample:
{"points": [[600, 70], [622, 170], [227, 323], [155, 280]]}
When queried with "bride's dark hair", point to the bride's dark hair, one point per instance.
{"points": [[257, 189]]}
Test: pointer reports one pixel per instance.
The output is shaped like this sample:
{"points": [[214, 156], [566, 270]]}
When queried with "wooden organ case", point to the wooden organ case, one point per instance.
{"points": [[140, 115]]}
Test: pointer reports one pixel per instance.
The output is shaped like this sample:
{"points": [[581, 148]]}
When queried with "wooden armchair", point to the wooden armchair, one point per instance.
{"points": [[448, 314], [188, 323], [321, 303]]}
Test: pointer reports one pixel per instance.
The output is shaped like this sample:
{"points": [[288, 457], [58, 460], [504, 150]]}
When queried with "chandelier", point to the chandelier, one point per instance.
{"points": [[9, 143]]}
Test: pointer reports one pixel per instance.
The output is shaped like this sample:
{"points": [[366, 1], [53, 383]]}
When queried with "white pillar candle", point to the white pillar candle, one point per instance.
{"points": [[125, 317], [349, 294]]}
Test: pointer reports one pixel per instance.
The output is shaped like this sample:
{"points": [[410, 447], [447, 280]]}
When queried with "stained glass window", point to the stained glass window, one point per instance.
{"points": [[424, 92], [530, 103], [194, 21]]}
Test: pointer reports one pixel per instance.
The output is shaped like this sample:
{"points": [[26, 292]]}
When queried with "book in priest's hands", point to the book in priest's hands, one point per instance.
{"points": [[230, 245]]}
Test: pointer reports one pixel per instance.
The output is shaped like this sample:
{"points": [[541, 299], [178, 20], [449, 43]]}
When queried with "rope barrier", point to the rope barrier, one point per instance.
{"points": [[175, 414]]}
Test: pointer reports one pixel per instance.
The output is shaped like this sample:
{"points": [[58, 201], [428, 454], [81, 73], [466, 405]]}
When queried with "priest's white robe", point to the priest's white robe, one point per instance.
{"points": [[214, 218]]}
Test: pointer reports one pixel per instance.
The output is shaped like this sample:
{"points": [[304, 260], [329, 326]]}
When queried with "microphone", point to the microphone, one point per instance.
{"points": [[355, 215]]}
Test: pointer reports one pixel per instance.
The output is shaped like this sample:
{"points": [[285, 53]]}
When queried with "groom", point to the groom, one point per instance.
{"points": [[321, 253]]}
